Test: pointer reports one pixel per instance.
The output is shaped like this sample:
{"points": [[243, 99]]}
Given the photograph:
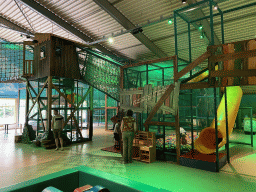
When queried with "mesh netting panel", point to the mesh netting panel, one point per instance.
{"points": [[103, 75], [11, 60]]}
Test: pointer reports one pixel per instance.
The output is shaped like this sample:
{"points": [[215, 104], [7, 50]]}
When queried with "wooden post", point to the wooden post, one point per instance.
{"points": [[175, 68], [91, 115], [177, 120], [177, 127], [121, 78], [24, 57], [49, 103], [106, 112], [27, 104]]}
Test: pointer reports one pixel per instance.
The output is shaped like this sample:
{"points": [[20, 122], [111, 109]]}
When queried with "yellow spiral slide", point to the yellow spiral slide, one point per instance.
{"points": [[206, 142]]}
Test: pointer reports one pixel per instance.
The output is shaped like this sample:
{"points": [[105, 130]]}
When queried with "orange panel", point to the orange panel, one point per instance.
{"points": [[252, 62]]}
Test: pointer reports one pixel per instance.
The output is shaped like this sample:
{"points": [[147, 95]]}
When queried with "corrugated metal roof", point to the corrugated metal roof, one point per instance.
{"points": [[91, 19]]}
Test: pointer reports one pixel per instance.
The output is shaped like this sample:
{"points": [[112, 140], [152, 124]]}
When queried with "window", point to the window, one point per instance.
{"points": [[42, 52], [58, 51], [7, 111]]}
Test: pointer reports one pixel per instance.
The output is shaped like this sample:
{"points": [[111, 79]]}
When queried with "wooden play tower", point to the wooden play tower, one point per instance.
{"points": [[54, 82]]}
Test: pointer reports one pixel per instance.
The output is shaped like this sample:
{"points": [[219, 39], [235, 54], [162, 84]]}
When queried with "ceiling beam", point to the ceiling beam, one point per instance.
{"points": [[64, 24], [121, 19], [206, 25], [13, 26]]}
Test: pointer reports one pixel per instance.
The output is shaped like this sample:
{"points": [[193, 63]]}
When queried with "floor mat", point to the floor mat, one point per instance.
{"points": [[111, 149]]}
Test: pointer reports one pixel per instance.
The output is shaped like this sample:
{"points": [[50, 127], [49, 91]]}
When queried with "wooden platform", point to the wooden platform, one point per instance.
{"points": [[206, 162]]}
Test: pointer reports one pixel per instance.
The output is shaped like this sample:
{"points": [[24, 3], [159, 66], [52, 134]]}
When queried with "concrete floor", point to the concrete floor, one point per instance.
{"points": [[21, 162]]}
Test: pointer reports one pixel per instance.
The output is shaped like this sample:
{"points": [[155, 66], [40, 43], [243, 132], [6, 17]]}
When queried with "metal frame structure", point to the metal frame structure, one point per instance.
{"points": [[178, 13]]}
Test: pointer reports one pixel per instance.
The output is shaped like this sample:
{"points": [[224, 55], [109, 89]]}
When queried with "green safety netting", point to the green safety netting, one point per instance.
{"points": [[156, 74], [11, 60], [102, 71]]}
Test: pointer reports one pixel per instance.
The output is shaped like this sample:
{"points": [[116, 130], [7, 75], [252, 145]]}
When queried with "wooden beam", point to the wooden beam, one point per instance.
{"points": [[160, 102], [201, 85], [121, 78], [233, 56], [170, 124], [177, 128], [234, 73], [77, 126], [49, 103], [148, 62], [109, 108], [192, 65], [24, 57], [76, 108], [237, 42], [36, 99], [35, 92], [163, 107], [63, 95], [106, 112], [30, 95], [27, 106], [175, 68], [29, 43], [131, 92], [40, 113]]}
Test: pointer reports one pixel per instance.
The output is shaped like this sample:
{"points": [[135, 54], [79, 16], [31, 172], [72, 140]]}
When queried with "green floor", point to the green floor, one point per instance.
{"points": [[22, 162]]}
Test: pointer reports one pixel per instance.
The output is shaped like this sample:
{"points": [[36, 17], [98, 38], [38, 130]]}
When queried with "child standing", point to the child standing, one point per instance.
{"points": [[116, 135]]}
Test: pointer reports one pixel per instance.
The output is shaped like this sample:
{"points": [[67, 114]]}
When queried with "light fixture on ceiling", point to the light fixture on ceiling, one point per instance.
{"points": [[202, 36], [170, 21], [200, 27], [184, 1], [110, 40], [215, 7]]}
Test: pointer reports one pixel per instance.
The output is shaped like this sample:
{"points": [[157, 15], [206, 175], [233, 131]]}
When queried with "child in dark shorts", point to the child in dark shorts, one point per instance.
{"points": [[116, 135]]}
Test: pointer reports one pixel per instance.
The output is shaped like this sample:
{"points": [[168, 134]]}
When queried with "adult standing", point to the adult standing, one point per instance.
{"points": [[57, 127], [128, 128]]}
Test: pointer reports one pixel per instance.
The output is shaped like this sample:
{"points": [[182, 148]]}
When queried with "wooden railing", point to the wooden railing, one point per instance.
{"points": [[28, 68], [237, 63]]}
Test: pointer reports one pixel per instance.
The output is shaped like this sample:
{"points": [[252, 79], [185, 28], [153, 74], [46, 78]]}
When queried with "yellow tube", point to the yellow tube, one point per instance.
{"points": [[201, 76], [206, 142]]}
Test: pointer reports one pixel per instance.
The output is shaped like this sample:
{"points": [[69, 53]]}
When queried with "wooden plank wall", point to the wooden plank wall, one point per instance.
{"points": [[42, 66], [65, 62], [143, 99], [58, 64]]}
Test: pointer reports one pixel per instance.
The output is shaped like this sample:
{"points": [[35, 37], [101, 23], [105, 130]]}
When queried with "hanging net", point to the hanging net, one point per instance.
{"points": [[101, 71], [11, 60]]}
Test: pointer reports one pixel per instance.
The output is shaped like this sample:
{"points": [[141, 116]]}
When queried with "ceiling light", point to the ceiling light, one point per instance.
{"points": [[200, 27], [215, 7], [110, 40], [170, 21], [184, 1]]}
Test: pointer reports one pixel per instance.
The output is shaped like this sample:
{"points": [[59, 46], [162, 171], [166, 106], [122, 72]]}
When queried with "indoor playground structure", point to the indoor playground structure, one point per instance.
{"points": [[64, 80], [149, 89], [200, 93]]}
